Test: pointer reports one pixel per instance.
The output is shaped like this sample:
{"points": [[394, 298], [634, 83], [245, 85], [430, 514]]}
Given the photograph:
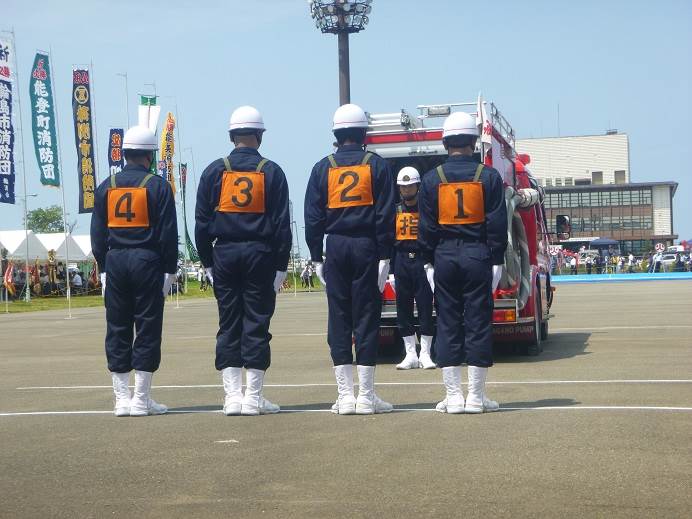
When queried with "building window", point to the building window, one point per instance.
{"points": [[645, 196], [569, 181], [582, 182], [548, 182], [597, 177], [558, 182], [620, 177]]}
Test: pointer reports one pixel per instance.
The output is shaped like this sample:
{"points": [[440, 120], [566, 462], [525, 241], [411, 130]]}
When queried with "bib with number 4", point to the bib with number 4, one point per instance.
{"points": [[460, 203], [127, 206], [242, 191], [349, 186]]}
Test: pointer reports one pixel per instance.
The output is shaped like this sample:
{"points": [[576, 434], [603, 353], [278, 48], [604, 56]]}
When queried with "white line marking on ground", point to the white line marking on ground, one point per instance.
{"points": [[606, 328], [399, 410], [226, 441], [490, 382]]}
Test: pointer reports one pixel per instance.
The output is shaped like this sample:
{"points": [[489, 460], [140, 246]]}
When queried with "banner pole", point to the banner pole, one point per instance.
{"points": [[27, 295], [95, 139], [62, 191]]}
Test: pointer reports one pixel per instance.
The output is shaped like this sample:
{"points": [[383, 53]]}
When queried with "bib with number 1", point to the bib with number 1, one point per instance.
{"points": [[460, 203], [242, 191], [349, 186]]}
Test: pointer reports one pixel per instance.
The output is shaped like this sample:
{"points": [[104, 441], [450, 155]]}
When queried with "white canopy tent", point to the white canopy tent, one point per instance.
{"points": [[59, 243], [15, 243], [83, 241], [40, 243]]}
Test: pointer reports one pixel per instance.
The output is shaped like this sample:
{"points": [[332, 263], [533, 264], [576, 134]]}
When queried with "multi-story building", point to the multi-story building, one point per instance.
{"points": [[588, 178]]}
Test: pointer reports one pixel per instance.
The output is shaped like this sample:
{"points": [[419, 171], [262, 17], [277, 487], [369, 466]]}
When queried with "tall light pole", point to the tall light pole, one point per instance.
{"points": [[341, 17]]}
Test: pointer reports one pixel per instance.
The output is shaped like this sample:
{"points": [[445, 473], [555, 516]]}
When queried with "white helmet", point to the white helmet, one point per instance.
{"points": [[140, 138], [349, 116], [459, 123], [408, 176], [246, 118]]}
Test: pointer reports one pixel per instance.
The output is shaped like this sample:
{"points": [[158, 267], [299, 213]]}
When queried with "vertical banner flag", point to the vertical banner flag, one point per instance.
{"points": [[148, 116], [43, 121], [115, 151], [191, 251], [168, 149], [81, 112], [6, 129]]}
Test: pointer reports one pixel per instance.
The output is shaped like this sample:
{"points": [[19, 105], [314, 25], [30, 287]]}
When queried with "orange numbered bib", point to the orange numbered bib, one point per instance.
{"points": [[128, 206], [460, 203], [349, 186], [242, 191], [406, 226]]}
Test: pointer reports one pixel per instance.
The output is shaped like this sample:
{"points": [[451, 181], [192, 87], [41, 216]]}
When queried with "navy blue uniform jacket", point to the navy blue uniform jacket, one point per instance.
{"points": [[272, 227], [493, 230], [376, 220], [161, 235]]}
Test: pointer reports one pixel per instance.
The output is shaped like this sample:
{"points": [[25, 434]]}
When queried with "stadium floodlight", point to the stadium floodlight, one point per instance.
{"points": [[341, 17]]}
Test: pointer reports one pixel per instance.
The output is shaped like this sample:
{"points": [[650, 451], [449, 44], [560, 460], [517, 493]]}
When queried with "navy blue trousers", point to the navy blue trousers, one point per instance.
{"points": [[411, 283], [464, 302], [244, 289], [354, 299], [134, 301]]}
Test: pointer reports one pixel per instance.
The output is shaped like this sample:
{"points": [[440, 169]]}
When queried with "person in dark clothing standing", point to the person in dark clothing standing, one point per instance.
{"points": [[409, 276], [243, 235], [350, 198], [463, 237], [134, 238]]}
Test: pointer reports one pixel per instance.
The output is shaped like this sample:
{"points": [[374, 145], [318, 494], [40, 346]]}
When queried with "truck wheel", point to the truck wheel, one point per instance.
{"points": [[544, 330], [534, 346]]}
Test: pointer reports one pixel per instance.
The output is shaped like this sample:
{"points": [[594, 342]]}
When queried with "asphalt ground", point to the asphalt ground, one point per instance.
{"points": [[599, 425]]}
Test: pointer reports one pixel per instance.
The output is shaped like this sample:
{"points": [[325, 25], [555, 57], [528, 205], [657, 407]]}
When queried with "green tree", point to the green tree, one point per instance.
{"points": [[45, 220]]}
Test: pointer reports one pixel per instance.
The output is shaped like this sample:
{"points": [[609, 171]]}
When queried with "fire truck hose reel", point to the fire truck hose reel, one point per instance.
{"points": [[517, 264]]}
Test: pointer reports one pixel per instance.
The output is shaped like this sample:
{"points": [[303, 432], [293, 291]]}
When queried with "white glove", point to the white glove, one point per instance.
{"points": [[430, 274], [102, 276], [319, 270], [497, 274], [210, 274], [279, 280], [168, 280], [382, 273]]}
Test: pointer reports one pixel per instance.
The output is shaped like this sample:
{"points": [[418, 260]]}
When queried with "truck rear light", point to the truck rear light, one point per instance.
{"points": [[504, 316]]}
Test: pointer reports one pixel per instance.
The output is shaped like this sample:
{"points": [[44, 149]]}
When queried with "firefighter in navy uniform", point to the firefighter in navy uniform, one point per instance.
{"points": [[134, 238], [350, 197], [409, 276], [242, 206], [463, 235]]}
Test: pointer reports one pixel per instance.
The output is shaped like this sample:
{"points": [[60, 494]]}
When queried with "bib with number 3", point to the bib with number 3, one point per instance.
{"points": [[242, 191], [349, 186]]}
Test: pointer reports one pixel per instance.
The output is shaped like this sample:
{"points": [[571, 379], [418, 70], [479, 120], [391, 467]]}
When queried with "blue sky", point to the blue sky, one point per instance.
{"points": [[608, 64]]}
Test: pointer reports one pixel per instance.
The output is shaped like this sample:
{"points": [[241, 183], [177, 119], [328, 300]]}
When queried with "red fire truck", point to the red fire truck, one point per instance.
{"points": [[524, 294]]}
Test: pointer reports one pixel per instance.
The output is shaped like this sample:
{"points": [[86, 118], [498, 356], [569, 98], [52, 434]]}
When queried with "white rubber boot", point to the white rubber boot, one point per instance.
{"points": [[368, 402], [477, 402], [233, 390], [454, 401], [425, 361], [142, 404], [411, 359], [121, 391], [346, 403], [253, 401]]}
